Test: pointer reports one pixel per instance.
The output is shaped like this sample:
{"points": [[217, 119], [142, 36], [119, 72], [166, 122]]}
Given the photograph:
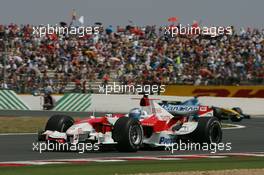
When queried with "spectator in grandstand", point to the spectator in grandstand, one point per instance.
{"points": [[130, 55]]}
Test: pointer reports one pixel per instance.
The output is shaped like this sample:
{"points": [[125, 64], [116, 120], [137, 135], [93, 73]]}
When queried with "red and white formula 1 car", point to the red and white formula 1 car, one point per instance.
{"points": [[150, 126]]}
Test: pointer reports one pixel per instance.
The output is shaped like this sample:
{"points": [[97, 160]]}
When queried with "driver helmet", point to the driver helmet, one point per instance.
{"points": [[135, 113]]}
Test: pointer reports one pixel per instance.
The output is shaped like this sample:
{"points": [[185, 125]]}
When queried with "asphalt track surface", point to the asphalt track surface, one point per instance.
{"points": [[19, 147]]}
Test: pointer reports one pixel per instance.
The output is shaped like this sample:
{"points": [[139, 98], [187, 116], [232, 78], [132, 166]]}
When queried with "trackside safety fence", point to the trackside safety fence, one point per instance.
{"points": [[9, 100], [73, 102]]}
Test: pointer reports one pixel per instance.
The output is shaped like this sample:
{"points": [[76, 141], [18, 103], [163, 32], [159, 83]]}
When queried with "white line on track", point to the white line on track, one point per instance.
{"points": [[234, 126]]}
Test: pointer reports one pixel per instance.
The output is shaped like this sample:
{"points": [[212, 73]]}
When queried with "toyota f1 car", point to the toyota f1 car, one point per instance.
{"points": [[150, 126], [235, 114]]}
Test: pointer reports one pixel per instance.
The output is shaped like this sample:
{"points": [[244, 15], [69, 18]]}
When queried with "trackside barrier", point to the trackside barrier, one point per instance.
{"points": [[123, 103], [9, 100], [74, 102]]}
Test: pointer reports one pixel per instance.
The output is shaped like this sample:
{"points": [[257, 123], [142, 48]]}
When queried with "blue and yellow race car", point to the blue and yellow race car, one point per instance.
{"points": [[235, 114]]}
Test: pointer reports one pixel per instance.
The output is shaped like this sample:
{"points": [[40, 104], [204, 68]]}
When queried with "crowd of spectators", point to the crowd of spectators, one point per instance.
{"points": [[129, 55]]}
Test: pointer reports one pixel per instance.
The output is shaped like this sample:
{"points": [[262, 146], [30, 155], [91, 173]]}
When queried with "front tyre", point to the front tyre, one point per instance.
{"points": [[128, 134], [59, 123]]}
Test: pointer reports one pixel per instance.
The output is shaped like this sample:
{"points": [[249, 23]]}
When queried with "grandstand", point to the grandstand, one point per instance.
{"points": [[129, 55]]}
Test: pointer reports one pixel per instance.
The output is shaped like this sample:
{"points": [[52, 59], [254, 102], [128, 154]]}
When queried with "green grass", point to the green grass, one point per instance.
{"points": [[22, 124], [137, 167]]}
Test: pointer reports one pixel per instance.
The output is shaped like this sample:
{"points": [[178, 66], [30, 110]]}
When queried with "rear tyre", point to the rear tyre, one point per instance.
{"points": [[128, 134], [59, 123], [217, 113], [208, 131]]}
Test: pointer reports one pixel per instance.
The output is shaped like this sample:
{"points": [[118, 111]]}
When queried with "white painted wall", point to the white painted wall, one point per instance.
{"points": [[123, 103]]}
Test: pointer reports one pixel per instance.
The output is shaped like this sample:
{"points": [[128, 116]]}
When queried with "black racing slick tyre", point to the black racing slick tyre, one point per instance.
{"points": [[208, 131], [59, 123], [218, 113], [128, 134], [235, 118]]}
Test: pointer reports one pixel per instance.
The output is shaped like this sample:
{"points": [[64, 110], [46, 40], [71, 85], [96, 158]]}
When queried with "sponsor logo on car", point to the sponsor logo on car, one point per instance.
{"points": [[165, 140], [181, 108]]}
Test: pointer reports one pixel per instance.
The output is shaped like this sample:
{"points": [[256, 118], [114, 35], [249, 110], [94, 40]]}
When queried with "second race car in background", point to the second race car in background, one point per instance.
{"points": [[235, 114]]}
